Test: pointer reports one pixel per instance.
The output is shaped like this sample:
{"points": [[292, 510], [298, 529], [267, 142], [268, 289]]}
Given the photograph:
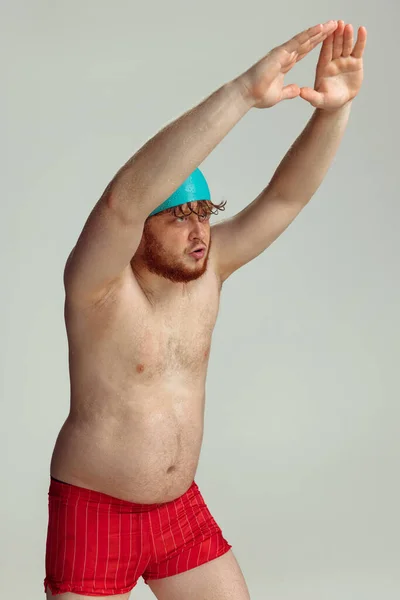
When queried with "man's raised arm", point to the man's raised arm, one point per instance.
{"points": [[113, 230]]}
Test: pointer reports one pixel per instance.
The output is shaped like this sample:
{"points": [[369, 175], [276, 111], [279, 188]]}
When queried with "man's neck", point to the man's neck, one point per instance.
{"points": [[158, 288]]}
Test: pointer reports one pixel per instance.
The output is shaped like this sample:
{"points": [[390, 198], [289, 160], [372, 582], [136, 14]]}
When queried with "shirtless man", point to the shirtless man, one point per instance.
{"points": [[142, 293]]}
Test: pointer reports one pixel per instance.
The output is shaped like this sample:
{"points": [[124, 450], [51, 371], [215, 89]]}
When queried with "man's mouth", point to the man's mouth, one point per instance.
{"points": [[198, 253]]}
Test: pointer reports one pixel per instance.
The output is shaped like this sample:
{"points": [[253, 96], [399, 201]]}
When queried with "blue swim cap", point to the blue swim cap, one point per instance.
{"points": [[194, 188]]}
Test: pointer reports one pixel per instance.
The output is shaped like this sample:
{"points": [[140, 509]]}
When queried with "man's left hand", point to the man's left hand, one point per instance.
{"points": [[339, 71]]}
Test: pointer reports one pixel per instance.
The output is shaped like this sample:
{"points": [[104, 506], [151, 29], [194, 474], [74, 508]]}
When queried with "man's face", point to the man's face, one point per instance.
{"points": [[170, 242]]}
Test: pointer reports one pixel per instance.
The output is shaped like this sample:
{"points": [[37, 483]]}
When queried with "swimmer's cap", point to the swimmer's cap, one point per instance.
{"points": [[194, 188]]}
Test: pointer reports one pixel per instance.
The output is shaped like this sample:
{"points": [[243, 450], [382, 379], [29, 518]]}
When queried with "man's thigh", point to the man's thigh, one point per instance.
{"points": [[219, 579]]}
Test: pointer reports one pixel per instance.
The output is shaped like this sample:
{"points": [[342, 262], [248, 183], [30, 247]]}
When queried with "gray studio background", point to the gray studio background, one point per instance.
{"points": [[300, 462]]}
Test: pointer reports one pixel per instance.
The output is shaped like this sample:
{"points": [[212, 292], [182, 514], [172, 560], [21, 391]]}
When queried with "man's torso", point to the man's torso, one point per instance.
{"points": [[137, 371]]}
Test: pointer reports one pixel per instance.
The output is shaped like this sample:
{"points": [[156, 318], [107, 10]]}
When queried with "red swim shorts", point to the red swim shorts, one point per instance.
{"points": [[99, 545]]}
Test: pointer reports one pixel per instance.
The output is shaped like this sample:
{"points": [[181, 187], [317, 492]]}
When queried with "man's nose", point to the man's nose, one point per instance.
{"points": [[198, 229]]}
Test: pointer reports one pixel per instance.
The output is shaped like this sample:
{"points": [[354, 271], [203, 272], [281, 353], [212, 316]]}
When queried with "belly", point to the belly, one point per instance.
{"points": [[147, 452]]}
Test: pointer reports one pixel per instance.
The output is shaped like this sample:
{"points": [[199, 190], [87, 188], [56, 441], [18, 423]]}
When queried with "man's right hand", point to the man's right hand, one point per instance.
{"points": [[264, 81]]}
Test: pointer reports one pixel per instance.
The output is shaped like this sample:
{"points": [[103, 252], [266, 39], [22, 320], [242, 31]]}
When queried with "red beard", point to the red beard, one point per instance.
{"points": [[158, 262]]}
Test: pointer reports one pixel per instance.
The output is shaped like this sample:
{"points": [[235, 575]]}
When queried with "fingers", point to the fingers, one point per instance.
{"points": [[290, 91], [348, 41], [338, 41], [327, 29], [360, 44], [327, 50], [314, 98], [343, 40], [337, 38], [306, 40]]}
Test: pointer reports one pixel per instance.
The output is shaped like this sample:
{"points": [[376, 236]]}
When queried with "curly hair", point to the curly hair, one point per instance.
{"points": [[203, 208]]}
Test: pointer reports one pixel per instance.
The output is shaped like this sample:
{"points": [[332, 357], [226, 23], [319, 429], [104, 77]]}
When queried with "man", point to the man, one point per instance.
{"points": [[142, 294]]}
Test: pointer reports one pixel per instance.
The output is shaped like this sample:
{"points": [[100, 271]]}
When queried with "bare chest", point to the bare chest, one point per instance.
{"points": [[176, 338], [147, 341]]}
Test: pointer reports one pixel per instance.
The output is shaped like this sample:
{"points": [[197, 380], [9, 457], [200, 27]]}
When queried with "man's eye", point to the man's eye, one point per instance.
{"points": [[181, 219]]}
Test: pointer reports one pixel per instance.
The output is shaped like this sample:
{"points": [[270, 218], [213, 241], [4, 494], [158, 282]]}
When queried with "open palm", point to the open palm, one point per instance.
{"points": [[264, 81], [339, 73]]}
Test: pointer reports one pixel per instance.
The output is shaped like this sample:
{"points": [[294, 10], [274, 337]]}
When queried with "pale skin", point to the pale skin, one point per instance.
{"points": [[138, 358]]}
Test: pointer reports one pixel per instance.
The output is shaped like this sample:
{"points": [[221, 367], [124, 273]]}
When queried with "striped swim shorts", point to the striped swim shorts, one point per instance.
{"points": [[100, 545]]}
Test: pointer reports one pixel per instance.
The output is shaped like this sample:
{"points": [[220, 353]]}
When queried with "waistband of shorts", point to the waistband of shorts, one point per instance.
{"points": [[66, 490]]}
